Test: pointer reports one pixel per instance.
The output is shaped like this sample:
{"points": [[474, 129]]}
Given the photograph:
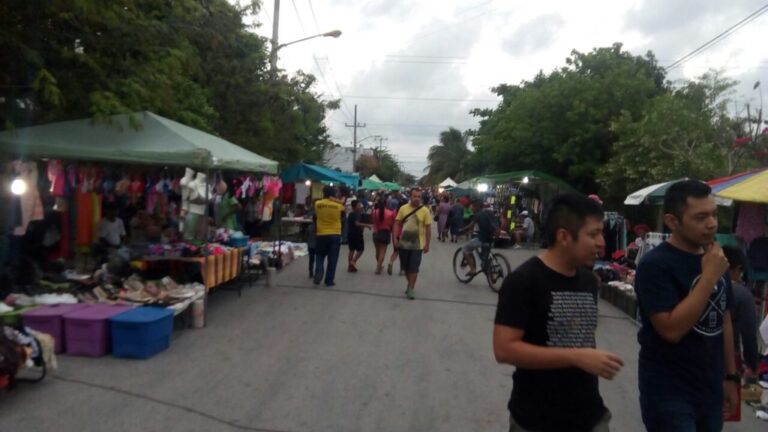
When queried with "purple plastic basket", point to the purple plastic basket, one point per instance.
{"points": [[87, 330], [48, 319]]}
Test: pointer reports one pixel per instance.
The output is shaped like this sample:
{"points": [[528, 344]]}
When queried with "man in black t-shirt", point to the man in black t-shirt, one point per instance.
{"points": [[545, 326], [487, 230], [687, 367]]}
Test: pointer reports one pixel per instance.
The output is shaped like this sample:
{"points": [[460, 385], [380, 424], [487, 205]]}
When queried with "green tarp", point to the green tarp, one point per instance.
{"points": [[158, 141], [372, 185], [303, 171], [392, 186]]}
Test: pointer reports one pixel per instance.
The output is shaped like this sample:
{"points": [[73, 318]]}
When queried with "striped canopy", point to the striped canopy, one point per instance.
{"points": [[750, 186]]}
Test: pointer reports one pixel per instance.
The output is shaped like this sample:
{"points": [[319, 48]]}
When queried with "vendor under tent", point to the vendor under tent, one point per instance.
{"points": [[156, 141], [132, 163]]}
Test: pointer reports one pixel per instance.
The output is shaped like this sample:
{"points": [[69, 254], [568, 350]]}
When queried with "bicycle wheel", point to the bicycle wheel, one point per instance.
{"points": [[461, 268], [498, 269]]}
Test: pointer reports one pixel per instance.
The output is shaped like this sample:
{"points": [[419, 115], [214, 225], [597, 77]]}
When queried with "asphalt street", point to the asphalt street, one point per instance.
{"points": [[357, 357]]}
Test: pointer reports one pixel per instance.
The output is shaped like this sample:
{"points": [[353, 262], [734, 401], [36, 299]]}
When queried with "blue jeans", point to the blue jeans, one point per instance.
{"points": [[666, 415], [327, 246]]}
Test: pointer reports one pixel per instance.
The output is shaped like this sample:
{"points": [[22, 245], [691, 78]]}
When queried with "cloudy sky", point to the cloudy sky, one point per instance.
{"points": [[416, 67]]}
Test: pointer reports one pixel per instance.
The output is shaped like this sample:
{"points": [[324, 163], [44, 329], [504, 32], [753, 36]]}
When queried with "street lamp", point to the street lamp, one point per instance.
{"points": [[276, 47]]}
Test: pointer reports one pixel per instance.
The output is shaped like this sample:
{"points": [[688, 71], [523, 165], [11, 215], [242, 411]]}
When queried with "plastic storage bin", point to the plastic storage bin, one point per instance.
{"points": [[13, 318], [142, 332], [48, 319], [87, 331]]}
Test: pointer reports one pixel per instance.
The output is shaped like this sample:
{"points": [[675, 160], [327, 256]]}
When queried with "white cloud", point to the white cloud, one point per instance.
{"points": [[468, 48]]}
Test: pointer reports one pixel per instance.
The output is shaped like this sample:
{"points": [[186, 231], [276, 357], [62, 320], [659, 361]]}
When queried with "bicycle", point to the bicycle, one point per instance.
{"points": [[494, 265]]}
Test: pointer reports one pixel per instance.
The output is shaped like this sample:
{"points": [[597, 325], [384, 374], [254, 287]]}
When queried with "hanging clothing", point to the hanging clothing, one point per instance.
{"points": [[751, 222], [84, 231], [31, 205], [57, 178]]}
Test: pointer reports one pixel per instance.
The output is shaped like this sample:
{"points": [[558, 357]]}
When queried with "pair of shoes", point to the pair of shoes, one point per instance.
{"points": [[389, 269], [409, 294]]}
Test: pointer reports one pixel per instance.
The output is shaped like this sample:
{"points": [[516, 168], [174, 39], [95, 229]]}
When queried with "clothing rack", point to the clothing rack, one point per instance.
{"points": [[615, 232], [650, 241]]}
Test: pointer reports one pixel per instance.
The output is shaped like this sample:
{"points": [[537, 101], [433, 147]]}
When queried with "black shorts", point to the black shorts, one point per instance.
{"points": [[356, 244], [410, 260]]}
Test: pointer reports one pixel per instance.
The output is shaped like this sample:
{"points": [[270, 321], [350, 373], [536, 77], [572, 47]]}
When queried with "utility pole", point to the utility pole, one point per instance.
{"points": [[275, 45], [380, 139], [354, 140]]}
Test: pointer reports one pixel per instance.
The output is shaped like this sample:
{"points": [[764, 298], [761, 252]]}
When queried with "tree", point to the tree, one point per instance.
{"points": [[685, 133], [560, 123], [447, 158], [189, 60]]}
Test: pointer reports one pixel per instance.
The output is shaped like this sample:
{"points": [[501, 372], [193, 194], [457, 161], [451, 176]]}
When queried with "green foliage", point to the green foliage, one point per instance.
{"points": [[560, 123], [189, 60], [684, 133], [384, 165], [448, 158]]}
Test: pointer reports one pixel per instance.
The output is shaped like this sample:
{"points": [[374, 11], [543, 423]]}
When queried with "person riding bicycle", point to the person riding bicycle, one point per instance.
{"points": [[488, 229]]}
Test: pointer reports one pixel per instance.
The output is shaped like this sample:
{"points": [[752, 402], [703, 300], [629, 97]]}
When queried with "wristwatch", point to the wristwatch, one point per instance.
{"points": [[733, 377]]}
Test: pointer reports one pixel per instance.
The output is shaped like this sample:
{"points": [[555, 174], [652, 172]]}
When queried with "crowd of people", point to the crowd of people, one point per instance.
{"points": [[403, 220]]}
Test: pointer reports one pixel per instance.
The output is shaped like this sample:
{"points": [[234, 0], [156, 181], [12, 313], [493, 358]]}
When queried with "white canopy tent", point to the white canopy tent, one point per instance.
{"points": [[448, 183]]}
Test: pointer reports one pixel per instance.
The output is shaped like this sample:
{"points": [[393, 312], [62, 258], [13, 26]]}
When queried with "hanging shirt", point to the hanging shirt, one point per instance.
{"points": [[111, 231]]}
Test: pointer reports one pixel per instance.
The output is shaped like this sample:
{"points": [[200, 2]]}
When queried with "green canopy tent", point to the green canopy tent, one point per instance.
{"points": [[373, 185], [392, 186], [156, 141]]}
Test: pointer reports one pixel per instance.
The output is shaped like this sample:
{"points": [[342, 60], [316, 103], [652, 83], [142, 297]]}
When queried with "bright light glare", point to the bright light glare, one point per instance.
{"points": [[18, 187]]}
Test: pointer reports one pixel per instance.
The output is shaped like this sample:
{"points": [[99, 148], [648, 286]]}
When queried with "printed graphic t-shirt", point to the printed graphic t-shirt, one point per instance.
{"points": [[414, 234], [555, 311], [693, 369], [328, 213]]}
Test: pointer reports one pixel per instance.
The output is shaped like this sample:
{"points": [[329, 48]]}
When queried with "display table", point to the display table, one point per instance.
{"points": [[215, 270]]}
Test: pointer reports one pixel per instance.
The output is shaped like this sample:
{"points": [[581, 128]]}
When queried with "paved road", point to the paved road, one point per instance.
{"points": [[297, 358]]}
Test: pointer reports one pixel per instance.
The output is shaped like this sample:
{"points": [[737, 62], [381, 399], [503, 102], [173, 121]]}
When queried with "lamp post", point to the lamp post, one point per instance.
{"points": [[275, 32]]}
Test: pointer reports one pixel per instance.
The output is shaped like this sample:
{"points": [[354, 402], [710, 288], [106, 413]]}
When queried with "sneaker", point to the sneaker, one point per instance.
{"points": [[517, 246], [409, 294], [330, 285]]}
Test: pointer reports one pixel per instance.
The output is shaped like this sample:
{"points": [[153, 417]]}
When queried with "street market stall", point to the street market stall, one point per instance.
{"points": [[95, 173]]}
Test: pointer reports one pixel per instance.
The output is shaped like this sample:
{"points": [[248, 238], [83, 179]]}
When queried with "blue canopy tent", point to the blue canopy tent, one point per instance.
{"points": [[303, 171]]}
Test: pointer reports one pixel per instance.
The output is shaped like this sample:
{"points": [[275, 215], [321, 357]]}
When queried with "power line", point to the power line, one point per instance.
{"points": [[751, 17], [298, 16]]}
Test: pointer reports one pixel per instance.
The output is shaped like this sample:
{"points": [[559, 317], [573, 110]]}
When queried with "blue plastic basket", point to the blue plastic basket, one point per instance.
{"points": [[238, 242], [142, 332]]}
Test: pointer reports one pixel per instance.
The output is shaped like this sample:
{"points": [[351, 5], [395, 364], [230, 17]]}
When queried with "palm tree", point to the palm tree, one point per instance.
{"points": [[447, 159]]}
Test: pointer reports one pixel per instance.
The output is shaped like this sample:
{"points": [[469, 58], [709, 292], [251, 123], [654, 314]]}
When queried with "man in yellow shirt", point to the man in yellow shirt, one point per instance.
{"points": [[413, 233], [328, 215]]}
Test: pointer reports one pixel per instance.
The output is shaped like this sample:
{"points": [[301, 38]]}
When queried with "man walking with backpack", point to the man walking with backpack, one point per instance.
{"points": [[413, 233]]}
